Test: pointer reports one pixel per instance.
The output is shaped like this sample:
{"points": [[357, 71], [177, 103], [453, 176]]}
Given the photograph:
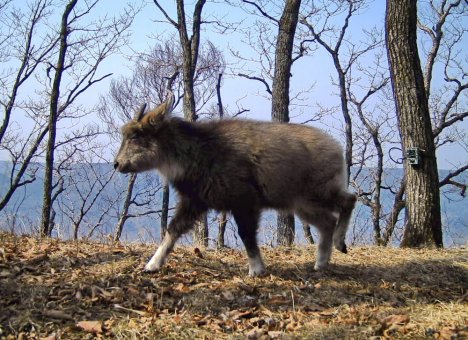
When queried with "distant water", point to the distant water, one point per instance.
{"points": [[23, 213]]}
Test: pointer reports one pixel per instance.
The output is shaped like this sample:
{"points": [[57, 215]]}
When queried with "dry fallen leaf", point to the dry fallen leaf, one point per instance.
{"points": [[90, 326], [275, 334], [255, 333], [139, 312], [391, 320], [448, 333], [227, 294], [393, 323], [35, 258], [181, 287], [237, 314], [213, 297]]}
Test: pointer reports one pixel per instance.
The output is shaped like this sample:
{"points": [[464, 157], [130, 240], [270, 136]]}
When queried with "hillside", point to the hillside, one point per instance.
{"points": [[24, 211], [52, 289]]}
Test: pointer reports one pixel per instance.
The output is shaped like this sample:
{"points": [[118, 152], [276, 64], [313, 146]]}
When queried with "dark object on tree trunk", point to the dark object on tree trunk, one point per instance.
{"points": [[423, 223]]}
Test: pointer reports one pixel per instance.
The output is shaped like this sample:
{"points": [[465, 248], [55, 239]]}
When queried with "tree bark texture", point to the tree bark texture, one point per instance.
{"points": [[200, 234], [53, 115], [307, 234], [222, 222], [222, 217], [124, 215], [190, 48], [423, 226], [285, 229], [280, 95]]}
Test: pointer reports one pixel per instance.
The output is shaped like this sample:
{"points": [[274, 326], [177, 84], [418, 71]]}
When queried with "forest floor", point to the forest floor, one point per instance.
{"points": [[50, 289]]}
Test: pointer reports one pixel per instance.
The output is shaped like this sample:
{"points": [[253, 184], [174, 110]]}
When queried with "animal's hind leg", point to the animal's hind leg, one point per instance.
{"points": [[247, 223], [325, 222], [346, 205], [186, 215]]}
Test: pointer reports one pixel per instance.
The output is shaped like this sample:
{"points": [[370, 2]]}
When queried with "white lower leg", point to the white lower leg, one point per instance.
{"points": [[256, 266], [324, 252], [159, 257]]}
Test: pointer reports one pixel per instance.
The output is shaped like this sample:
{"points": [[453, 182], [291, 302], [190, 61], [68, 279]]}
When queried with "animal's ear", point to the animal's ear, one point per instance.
{"points": [[163, 111], [140, 112]]}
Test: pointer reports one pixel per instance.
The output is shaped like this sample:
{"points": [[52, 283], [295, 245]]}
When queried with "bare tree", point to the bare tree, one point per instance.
{"points": [[124, 215], [80, 62], [190, 45], [374, 130], [19, 26], [442, 42], [166, 190], [124, 95], [329, 26], [53, 116], [280, 95], [222, 217], [61, 65], [333, 40], [154, 73], [86, 180], [423, 225], [276, 58], [22, 53]]}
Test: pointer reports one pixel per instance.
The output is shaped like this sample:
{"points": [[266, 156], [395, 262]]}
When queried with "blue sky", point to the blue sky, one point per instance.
{"points": [[311, 74]]}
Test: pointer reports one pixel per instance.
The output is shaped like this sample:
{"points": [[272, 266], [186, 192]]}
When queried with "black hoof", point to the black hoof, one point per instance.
{"points": [[344, 249]]}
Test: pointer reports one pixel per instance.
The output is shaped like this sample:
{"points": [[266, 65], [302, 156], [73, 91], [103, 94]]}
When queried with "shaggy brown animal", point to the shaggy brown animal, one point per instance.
{"points": [[243, 167]]}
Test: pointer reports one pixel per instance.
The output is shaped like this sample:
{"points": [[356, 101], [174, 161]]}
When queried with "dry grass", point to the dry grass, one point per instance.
{"points": [[66, 290]]}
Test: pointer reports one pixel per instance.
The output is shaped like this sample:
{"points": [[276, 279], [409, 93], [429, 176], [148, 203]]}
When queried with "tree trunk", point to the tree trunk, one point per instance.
{"points": [[346, 114], [53, 115], [222, 221], [280, 95], [307, 233], [222, 217], [285, 229], [165, 210], [423, 226], [190, 48], [124, 215], [392, 219], [53, 214], [200, 233]]}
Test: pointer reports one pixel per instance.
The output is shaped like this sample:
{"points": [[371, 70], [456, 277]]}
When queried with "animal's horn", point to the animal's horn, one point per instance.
{"points": [[140, 112], [170, 99]]}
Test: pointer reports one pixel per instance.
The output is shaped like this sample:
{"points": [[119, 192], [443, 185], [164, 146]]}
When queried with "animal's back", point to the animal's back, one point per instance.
{"points": [[283, 161]]}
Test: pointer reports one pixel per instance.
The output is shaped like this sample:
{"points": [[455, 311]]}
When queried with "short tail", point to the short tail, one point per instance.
{"points": [[346, 202]]}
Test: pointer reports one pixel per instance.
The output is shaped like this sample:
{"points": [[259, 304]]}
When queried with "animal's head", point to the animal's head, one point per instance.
{"points": [[139, 150]]}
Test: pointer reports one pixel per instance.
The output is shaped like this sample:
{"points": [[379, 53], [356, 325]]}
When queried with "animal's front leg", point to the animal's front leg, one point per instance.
{"points": [[159, 257], [184, 219], [326, 228]]}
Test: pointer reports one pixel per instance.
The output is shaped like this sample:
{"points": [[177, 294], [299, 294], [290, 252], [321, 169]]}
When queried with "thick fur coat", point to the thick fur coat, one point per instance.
{"points": [[242, 166]]}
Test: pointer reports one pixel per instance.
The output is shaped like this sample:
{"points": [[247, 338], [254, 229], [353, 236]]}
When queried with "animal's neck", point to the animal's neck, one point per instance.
{"points": [[180, 143]]}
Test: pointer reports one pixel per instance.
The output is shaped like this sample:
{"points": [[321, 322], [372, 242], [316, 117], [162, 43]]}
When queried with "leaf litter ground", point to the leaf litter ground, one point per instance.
{"points": [[50, 289]]}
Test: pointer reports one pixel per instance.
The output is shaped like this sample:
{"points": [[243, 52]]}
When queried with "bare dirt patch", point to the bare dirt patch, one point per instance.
{"points": [[77, 290]]}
